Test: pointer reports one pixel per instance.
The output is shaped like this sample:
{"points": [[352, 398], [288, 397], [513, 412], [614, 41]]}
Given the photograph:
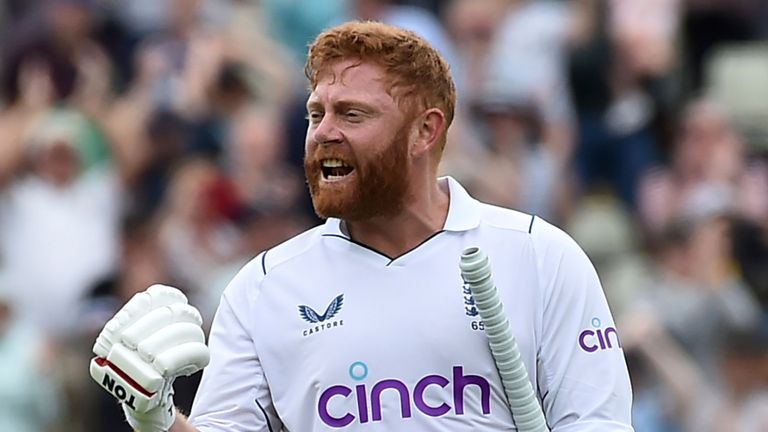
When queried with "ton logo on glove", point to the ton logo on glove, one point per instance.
{"points": [[116, 389]]}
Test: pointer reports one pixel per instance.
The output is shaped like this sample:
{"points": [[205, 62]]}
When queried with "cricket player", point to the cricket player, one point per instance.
{"points": [[364, 323]]}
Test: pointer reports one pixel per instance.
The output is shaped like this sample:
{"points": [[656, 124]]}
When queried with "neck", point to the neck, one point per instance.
{"points": [[424, 215]]}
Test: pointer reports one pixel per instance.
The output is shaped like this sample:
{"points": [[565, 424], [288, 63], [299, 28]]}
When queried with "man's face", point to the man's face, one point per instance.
{"points": [[357, 145], [59, 164]]}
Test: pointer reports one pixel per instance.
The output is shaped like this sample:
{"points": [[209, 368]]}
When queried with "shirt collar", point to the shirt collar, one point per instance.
{"points": [[463, 211]]}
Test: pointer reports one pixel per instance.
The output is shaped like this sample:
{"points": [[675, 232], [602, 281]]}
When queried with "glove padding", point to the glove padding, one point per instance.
{"points": [[153, 339]]}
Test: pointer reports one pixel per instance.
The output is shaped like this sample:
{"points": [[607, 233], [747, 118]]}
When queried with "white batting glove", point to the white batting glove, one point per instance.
{"points": [[153, 339]]}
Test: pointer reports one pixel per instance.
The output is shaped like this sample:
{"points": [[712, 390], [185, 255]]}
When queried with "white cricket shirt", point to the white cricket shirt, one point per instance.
{"points": [[324, 334]]}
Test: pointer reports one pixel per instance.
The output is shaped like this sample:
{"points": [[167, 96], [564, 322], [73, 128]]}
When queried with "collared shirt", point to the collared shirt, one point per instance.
{"points": [[322, 333]]}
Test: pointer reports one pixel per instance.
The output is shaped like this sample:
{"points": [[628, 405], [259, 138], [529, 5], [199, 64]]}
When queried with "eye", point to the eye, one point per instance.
{"points": [[314, 117], [354, 115]]}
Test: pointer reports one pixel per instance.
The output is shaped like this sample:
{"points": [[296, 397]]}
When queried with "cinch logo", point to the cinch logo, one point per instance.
{"points": [[369, 400], [598, 339], [323, 321]]}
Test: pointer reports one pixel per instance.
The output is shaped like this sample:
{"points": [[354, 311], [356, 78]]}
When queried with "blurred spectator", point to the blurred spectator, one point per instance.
{"points": [[192, 51], [197, 236], [520, 169], [206, 75], [60, 216], [55, 61], [256, 162], [164, 142], [5, 19], [174, 51], [61, 47], [697, 294], [751, 254], [607, 233], [697, 300], [29, 400], [274, 74], [708, 24], [519, 103], [146, 17], [471, 25], [734, 398], [742, 404], [294, 24], [709, 167], [417, 19], [145, 140], [621, 74], [526, 67], [270, 190]]}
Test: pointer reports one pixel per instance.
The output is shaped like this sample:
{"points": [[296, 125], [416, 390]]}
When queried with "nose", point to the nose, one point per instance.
{"points": [[326, 132]]}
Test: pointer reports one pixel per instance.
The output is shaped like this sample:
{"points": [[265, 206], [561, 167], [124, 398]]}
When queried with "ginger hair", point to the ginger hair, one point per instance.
{"points": [[417, 76]]}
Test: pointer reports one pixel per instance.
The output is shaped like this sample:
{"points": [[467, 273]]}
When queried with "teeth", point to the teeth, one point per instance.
{"points": [[333, 163]]}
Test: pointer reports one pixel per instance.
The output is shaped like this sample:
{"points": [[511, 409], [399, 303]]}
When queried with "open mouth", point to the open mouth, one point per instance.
{"points": [[334, 169]]}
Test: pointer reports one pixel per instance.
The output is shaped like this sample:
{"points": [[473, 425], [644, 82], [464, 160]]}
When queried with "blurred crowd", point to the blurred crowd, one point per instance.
{"points": [[150, 141]]}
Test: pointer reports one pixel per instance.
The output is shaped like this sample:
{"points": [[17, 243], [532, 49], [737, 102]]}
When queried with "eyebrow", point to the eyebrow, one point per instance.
{"points": [[344, 104]]}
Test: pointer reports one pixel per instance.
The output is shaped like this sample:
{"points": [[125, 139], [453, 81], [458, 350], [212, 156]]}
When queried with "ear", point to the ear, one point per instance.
{"points": [[428, 128]]}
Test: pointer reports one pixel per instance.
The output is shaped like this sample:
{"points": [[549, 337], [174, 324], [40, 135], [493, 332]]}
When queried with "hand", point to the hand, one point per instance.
{"points": [[640, 327], [36, 89], [153, 339], [92, 93]]}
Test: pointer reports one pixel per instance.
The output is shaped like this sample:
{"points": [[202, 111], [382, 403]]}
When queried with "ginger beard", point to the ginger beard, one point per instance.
{"points": [[378, 187]]}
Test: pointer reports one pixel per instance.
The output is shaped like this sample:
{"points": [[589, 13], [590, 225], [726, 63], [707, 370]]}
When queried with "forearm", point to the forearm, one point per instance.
{"points": [[182, 424]]}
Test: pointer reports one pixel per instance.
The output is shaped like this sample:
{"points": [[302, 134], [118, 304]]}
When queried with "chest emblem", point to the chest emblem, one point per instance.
{"points": [[322, 321], [311, 316]]}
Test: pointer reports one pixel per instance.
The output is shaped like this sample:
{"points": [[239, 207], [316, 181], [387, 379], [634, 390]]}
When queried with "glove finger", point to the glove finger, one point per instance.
{"points": [[168, 337], [154, 297], [156, 320], [133, 368], [164, 295], [139, 304], [184, 359]]}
